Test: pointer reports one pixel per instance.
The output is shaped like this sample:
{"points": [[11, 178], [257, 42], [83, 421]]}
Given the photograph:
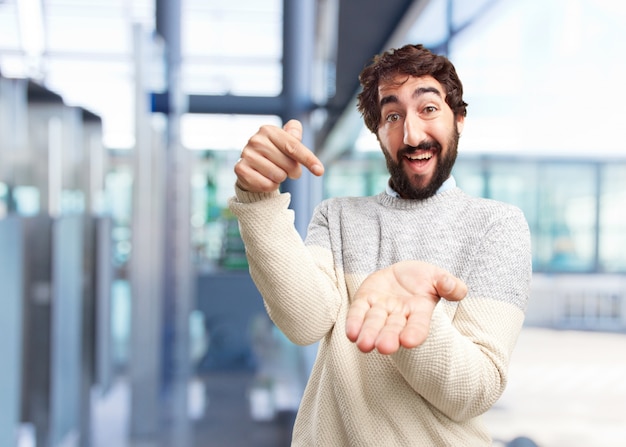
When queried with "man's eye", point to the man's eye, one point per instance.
{"points": [[392, 118], [430, 109]]}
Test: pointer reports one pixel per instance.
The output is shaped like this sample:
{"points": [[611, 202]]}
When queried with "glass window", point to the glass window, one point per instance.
{"points": [[215, 238], [514, 182], [565, 227], [216, 141], [612, 237], [119, 195], [470, 176], [4, 200], [223, 45], [27, 200], [221, 132], [356, 177]]}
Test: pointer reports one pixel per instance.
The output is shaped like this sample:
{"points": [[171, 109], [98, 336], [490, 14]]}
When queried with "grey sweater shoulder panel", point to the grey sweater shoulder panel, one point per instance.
{"points": [[460, 233]]}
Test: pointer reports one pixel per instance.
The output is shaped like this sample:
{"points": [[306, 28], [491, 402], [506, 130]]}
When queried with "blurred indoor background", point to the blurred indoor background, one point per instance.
{"points": [[128, 317]]}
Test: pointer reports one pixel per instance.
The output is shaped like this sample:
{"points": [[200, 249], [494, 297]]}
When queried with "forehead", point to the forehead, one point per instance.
{"points": [[409, 84]]}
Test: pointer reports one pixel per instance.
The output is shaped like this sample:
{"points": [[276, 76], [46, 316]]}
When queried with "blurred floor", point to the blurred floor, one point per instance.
{"points": [[566, 389], [225, 422]]}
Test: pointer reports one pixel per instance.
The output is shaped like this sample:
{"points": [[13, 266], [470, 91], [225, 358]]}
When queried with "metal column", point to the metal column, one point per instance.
{"points": [[298, 57], [164, 276], [177, 267], [145, 359]]}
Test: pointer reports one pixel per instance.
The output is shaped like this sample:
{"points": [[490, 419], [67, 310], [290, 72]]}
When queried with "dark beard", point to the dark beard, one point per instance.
{"points": [[400, 181]]}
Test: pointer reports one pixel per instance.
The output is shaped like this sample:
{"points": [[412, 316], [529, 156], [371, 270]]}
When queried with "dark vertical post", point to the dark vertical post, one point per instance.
{"points": [[298, 57], [598, 267], [177, 268], [450, 27]]}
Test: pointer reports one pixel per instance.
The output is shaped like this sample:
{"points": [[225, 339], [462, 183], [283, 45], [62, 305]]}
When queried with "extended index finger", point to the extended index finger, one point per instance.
{"points": [[293, 147]]}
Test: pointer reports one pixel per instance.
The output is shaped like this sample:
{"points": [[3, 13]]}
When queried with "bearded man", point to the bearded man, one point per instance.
{"points": [[416, 295]]}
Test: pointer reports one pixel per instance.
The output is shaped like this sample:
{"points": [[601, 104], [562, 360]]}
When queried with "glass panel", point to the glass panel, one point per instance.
{"points": [[12, 278], [118, 190], [342, 182], [217, 141], [233, 77], [221, 132], [613, 219], [223, 44], [216, 242], [4, 200], [514, 182], [469, 175], [356, 177], [27, 200], [67, 328], [566, 220]]}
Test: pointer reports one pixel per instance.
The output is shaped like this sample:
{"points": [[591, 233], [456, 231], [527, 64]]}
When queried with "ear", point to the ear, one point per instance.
{"points": [[460, 123]]}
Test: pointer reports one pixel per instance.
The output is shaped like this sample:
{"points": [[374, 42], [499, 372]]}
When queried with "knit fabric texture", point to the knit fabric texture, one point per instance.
{"points": [[432, 395]]}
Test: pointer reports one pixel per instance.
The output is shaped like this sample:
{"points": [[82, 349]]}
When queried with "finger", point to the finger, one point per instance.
{"points": [[251, 179], [294, 128], [416, 330], [273, 165], [294, 149], [372, 325], [388, 340], [450, 287], [264, 153], [355, 318]]}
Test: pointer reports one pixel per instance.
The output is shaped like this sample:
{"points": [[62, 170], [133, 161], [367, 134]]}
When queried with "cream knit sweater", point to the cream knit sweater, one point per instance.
{"points": [[432, 395]]}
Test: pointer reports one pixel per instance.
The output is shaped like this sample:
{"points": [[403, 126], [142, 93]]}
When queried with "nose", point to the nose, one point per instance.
{"points": [[413, 131]]}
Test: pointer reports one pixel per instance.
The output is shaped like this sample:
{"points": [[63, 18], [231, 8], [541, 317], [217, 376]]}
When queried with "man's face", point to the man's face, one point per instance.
{"points": [[418, 134]]}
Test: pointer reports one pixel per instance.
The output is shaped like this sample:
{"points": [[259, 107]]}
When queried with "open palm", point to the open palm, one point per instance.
{"points": [[393, 306]]}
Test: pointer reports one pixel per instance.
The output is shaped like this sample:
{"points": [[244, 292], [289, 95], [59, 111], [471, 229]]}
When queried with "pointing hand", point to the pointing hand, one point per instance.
{"points": [[272, 155]]}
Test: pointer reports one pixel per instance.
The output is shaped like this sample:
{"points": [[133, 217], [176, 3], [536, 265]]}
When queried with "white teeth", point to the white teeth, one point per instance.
{"points": [[422, 156]]}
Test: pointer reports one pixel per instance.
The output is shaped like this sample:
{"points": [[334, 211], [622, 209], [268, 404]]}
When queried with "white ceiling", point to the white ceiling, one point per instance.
{"points": [[525, 65], [86, 52]]}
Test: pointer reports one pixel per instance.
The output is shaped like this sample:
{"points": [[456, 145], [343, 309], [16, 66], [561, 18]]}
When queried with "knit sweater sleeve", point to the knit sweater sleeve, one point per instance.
{"points": [[301, 298], [462, 367]]}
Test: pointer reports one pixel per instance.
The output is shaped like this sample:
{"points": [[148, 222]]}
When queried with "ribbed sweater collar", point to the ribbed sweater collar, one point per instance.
{"points": [[395, 202]]}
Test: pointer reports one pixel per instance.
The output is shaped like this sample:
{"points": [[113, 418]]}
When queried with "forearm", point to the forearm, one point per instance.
{"points": [[462, 369], [301, 299]]}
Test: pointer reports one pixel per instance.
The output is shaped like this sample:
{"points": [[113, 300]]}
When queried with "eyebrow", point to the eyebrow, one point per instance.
{"points": [[418, 92]]}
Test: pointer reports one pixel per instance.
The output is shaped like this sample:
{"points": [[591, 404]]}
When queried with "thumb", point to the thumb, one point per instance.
{"points": [[294, 128], [450, 287]]}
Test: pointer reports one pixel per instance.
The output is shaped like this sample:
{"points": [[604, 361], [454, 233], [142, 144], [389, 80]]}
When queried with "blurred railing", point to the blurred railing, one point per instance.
{"points": [[579, 302]]}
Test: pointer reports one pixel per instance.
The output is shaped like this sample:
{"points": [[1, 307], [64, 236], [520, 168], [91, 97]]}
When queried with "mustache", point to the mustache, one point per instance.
{"points": [[424, 146]]}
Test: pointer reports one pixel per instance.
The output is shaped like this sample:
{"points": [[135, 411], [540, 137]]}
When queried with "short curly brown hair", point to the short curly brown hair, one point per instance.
{"points": [[411, 60]]}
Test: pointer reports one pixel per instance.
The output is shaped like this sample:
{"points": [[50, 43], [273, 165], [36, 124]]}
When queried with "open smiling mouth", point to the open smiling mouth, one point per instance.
{"points": [[421, 156]]}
